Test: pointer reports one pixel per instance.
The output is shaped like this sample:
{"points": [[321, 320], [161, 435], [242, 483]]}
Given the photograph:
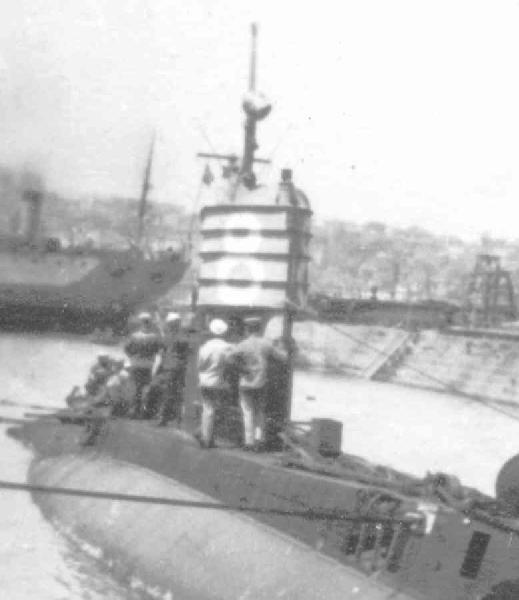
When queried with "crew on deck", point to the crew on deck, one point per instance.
{"points": [[115, 398], [172, 370], [142, 349], [213, 360], [252, 356], [100, 373], [233, 371]]}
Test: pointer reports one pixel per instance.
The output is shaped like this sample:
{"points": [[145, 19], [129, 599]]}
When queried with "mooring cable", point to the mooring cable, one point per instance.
{"points": [[309, 514]]}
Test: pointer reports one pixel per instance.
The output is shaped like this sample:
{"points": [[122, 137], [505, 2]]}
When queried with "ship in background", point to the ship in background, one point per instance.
{"points": [[44, 284], [488, 305]]}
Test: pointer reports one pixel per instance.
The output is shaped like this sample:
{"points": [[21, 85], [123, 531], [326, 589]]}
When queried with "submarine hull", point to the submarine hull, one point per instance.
{"points": [[307, 509], [195, 552], [303, 508]]}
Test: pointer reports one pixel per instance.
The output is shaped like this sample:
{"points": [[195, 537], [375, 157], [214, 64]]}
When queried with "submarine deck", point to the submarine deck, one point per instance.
{"points": [[163, 450], [310, 507]]}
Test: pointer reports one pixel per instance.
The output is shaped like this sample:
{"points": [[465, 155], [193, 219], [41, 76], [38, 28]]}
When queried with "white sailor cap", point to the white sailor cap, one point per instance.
{"points": [[217, 326], [144, 316], [172, 317], [254, 321]]}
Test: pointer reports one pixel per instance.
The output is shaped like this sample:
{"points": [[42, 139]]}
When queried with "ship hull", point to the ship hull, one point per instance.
{"points": [[35, 317], [81, 291], [385, 313]]}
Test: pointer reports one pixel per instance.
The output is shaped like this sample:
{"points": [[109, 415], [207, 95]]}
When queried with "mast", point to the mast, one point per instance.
{"points": [[252, 62], [256, 108], [146, 186]]}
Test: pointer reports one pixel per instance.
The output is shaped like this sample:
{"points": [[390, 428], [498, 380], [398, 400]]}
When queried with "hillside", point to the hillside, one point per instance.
{"points": [[348, 259]]}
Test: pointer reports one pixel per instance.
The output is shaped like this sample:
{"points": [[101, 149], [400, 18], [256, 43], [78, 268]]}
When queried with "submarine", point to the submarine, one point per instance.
{"points": [[301, 521]]}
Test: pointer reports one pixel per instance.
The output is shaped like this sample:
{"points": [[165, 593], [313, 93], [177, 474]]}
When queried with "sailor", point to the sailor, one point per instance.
{"points": [[172, 369], [142, 349], [120, 391], [99, 374], [115, 398], [253, 355], [236, 331], [212, 363], [235, 334]]}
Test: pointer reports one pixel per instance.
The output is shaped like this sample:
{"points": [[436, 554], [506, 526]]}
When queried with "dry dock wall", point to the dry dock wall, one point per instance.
{"points": [[351, 349], [192, 553], [478, 366], [475, 366]]}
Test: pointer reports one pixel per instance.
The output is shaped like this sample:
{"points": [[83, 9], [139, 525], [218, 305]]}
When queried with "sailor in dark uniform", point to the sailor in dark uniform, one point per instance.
{"points": [[113, 399], [142, 349], [172, 370], [100, 373]]}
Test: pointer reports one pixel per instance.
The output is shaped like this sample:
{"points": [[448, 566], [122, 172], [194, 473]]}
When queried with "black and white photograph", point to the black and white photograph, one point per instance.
{"points": [[259, 300]]}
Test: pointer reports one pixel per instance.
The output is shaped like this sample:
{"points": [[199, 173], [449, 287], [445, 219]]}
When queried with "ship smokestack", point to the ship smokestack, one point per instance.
{"points": [[34, 202]]}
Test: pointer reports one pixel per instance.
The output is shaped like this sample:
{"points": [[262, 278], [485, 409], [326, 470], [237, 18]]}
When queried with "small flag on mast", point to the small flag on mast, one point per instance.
{"points": [[207, 177]]}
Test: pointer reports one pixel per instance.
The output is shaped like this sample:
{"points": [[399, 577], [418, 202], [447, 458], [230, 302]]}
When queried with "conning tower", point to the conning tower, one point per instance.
{"points": [[254, 239]]}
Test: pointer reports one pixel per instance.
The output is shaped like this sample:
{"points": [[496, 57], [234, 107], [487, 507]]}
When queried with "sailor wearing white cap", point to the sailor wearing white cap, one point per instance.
{"points": [[212, 363], [173, 317], [218, 327], [142, 349]]}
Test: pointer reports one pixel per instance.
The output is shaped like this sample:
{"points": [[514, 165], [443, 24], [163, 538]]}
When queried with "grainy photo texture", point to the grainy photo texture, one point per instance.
{"points": [[258, 324]]}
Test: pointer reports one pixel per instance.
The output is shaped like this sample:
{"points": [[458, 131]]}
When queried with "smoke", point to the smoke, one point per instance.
{"points": [[33, 98]]}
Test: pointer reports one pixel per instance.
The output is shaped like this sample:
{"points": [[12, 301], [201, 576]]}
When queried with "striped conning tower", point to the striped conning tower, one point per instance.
{"points": [[255, 255], [254, 246], [254, 243]]}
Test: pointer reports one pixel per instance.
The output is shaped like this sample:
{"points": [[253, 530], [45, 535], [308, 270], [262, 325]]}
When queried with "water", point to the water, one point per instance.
{"points": [[413, 430], [35, 561]]}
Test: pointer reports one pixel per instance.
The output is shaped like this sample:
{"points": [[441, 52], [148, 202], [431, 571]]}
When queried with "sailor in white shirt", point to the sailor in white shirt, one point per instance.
{"points": [[212, 363]]}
